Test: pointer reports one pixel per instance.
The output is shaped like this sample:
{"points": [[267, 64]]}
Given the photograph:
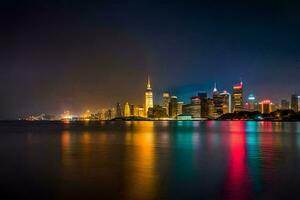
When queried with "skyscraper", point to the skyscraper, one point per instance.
{"points": [[218, 101], [226, 105], [295, 102], [251, 104], [266, 106], [126, 110], [148, 98], [285, 104], [237, 98], [204, 103], [118, 110], [179, 107], [132, 106], [166, 101], [194, 108], [173, 107]]}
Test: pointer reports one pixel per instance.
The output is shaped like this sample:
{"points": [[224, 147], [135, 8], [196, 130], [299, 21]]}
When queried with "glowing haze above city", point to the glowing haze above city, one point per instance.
{"points": [[58, 56]]}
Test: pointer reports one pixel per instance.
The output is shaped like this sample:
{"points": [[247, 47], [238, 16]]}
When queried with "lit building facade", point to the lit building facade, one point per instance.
{"points": [[126, 110], [194, 108], [118, 110], [148, 98], [295, 103], [251, 104], [237, 97], [265, 106], [173, 107], [141, 112], [298, 103], [211, 108], [226, 102], [218, 101], [179, 107], [204, 105], [166, 101]]}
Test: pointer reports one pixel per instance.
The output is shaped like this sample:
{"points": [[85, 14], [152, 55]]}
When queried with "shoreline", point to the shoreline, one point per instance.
{"points": [[153, 120]]}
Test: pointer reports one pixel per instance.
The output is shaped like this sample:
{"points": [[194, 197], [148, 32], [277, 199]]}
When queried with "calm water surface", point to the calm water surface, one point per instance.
{"points": [[150, 160]]}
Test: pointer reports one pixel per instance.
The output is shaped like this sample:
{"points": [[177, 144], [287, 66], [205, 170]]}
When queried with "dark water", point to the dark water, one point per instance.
{"points": [[150, 160]]}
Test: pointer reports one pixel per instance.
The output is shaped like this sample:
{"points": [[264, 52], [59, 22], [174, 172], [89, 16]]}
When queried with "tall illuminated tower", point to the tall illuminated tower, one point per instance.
{"points": [[126, 110], [237, 97], [148, 97], [226, 103], [166, 101], [218, 101]]}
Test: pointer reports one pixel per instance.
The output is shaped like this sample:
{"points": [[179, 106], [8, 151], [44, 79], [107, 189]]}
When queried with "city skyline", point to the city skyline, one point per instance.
{"points": [[200, 106], [75, 56]]}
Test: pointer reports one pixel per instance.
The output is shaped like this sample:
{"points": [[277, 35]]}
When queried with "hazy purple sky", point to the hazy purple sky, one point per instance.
{"points": [[58, 55]]}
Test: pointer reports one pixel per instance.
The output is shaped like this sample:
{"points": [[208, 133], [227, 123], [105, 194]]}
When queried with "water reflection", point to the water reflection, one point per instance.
{"points": [[236, 182], [150, 160], [140, 166]]}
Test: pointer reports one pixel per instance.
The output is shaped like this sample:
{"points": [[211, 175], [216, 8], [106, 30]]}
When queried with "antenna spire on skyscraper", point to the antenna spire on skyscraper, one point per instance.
{"points": [[215, 87], [148, 83]]}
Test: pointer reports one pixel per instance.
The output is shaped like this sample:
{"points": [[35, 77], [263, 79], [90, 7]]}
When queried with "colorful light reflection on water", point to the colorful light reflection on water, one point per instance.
{"points": [[153, 160]]}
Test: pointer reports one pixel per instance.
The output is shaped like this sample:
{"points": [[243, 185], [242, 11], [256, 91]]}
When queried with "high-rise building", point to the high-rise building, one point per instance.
{"points": [[237, 97], [211, 108], [298, 103], [166, 101], [132, 106], [194, 108], [112, 113], [179, 107], [265, 106], [218, 101], [295, 102], [126, 110], [285, 105], [204, 105], [135, 111], [148, 97], [226, 106], [173, 107], [118, 110], [141, 112], [251, 104]]}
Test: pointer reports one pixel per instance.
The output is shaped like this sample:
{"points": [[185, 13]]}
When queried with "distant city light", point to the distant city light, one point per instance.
{"points": [[251, 97]]}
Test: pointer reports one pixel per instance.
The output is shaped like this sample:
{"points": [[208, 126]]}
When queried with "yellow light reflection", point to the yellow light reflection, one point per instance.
{"points": [[65, 142], [141, 168]]}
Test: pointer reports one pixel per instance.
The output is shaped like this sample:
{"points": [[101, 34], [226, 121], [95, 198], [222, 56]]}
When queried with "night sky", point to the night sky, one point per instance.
{"points": [[59, 55]]}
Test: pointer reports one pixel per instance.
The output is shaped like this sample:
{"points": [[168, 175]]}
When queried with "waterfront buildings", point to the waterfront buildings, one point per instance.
{"points": [[166, 101], [295, 102], [203, 103], [126, 110], [173, 107], [148, 98], [226, 102], [179, 107], [285, 104], [118, 110], [218, 101], [211, 109], [157, 112], [237, 97], [141, 112], [194, 108], [200, 106], [251, 104], [265, 106]]}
